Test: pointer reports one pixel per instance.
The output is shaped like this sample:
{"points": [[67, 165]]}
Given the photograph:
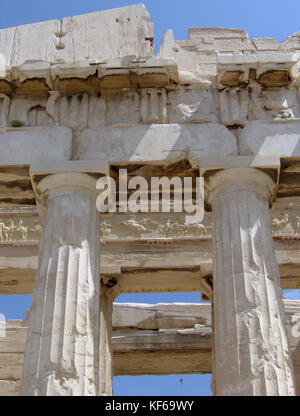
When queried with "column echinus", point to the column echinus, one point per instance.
{"points": [[62, 348], [251, 352]]}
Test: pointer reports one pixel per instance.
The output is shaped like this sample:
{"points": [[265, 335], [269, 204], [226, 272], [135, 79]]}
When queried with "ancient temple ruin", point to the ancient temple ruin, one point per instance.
{"points": [[81, 99]]}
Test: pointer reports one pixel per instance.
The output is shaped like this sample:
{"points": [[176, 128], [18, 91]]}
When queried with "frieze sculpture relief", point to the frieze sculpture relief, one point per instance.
{"points": [[15, 230], [286, 224]]}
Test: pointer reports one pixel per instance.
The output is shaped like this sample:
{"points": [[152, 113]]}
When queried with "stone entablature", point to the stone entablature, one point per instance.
{"points": [[217, 76]]}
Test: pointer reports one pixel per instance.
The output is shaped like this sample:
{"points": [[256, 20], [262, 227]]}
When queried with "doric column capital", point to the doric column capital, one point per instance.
{"points": [[55, 182], [59, 177], [238, 178], [227, 174]]}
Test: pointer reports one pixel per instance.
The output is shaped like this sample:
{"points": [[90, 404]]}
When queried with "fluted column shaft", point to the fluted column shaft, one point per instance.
{"points": [[106, 352], [251, 352], [62, 350]]}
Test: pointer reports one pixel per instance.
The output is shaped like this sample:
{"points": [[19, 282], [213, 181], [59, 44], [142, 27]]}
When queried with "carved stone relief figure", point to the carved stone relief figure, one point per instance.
{"points": [[19, 230]]}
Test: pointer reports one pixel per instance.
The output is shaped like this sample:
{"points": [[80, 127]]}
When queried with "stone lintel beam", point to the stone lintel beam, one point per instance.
{"points": [[18, 265], [284, 171]]}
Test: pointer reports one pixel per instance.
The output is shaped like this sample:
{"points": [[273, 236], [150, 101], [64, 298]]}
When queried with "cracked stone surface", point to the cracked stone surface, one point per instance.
{"points": [[251, 351], [62, 350]]}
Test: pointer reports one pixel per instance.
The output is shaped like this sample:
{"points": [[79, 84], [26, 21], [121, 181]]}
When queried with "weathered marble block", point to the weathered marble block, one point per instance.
{"points": [[193, 106], [34, 42], [154, 142], [24, 145], [107, 34], [280, 138]]}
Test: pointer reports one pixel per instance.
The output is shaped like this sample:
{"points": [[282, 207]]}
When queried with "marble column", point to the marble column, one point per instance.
{"points": [[106, 352], [251, 352], [62, 350]]}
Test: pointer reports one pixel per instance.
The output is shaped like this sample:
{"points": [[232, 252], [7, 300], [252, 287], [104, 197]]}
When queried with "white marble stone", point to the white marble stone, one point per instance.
{"points": [[265, 44], [269, 104], [153, 106], [193, 106], [106, 370], [194, 68], [234, 106], [155, 142], [78, 94], [123, 108], [97, 112], [73, 69], [73, 111], [107, 34], [32, 69], [34, 42], [4, 109], [95, 36], [6, 47], [62, 349], [20, 108], [24, 145], [281, 138], [251, 351]]}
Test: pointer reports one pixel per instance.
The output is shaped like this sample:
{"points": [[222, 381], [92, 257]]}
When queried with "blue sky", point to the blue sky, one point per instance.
{"points": [[259, 18]]}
